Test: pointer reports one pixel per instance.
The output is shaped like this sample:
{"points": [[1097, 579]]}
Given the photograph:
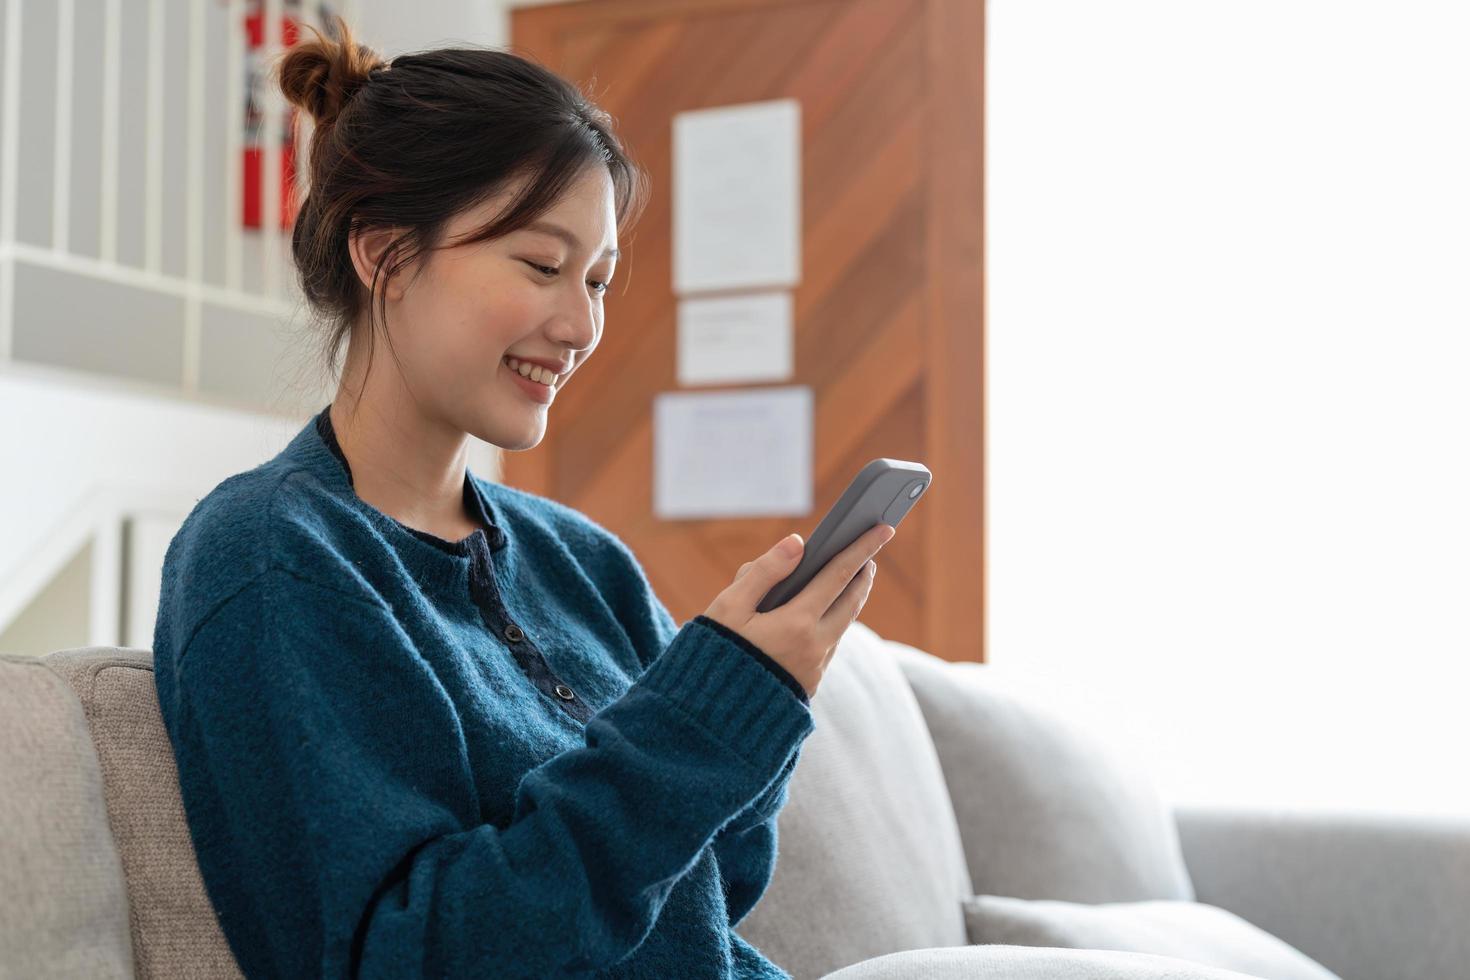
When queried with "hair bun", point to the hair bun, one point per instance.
{"points": [[321, 75]]}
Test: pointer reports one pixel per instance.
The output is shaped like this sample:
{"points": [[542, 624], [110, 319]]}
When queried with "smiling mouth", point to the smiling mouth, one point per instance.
{"points": [[537, 374]]}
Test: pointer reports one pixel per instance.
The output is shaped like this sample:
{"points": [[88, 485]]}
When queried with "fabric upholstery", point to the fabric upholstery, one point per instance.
{"points": [[1369, 895], [1046, 808], [869, 858], [174, 930], [63, 899], [1030, 963], [1188, 930]]}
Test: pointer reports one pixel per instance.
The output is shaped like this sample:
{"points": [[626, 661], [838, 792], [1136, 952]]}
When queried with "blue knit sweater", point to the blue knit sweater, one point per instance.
{"points": [[403, 756]]}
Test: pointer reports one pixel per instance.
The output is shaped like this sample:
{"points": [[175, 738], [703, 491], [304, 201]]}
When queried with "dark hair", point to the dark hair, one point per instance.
{"points": [[413, 142]]}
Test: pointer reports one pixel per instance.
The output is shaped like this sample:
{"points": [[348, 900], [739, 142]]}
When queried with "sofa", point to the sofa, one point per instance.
{"points": [[943, 821]]}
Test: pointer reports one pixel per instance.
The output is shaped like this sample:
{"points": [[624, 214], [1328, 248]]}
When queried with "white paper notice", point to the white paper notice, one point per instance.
{"points": [[735, 339], [733, 453], [737, 196]]}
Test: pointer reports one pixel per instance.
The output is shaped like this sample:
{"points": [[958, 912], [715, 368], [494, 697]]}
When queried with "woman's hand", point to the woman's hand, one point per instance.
{"points": [[801, 634]]}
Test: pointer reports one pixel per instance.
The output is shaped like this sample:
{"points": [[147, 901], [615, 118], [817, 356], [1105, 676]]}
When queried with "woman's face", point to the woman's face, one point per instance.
{"points": [[529, 293]]}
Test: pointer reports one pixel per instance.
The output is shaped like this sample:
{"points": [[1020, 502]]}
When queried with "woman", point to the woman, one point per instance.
{"points": [[430, 725]]}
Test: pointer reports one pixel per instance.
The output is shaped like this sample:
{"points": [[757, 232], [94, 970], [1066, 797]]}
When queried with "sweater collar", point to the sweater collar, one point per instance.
{"points": [[432, 555]]}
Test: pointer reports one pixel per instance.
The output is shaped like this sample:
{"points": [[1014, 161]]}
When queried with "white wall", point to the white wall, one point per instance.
{"points": [[1228, 411], [79, 453], [392, 27]]}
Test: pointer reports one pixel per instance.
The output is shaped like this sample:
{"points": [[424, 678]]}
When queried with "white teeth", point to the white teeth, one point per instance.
{"points": [[534, 372]]}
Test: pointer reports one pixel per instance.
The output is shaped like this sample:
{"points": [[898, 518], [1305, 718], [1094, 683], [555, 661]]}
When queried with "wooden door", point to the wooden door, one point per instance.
{"points": [[890, 310]]}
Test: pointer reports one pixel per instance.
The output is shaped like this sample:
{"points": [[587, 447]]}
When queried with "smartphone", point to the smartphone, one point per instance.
{"points": [[881, 493]]}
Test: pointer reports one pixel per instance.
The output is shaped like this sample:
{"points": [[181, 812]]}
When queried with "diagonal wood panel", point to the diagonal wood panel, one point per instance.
{"points": [[892, 171], [782, 45], [889, 310]]}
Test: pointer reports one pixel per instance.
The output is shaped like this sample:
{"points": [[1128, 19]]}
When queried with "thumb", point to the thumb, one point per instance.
{"points": [[788, 549], [769, 569]]}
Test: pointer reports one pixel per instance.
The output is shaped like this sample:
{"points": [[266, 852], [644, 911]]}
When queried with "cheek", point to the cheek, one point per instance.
{"points": [[478, 322]]}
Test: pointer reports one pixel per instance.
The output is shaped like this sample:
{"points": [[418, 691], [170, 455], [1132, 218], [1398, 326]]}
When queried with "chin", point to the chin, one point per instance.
{"points": [[521, 441]]}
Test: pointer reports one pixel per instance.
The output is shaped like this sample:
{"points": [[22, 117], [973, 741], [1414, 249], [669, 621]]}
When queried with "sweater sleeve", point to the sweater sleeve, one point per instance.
{"points": [[746, 847], [326, 783]]}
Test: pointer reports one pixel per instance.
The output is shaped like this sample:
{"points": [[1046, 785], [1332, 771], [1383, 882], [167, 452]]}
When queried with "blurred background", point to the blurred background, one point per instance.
{"points": [[1169, 296]]}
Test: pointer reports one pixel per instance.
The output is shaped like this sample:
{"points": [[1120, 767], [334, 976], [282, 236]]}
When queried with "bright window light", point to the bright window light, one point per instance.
{"points": [[1229, 413]]}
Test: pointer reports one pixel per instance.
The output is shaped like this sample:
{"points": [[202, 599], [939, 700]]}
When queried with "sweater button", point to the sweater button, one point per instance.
{"points": [[564, 692], [513, 633]]}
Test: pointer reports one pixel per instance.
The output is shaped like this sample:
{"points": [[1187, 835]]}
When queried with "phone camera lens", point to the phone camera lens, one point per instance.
{"points": [[918, 489]]}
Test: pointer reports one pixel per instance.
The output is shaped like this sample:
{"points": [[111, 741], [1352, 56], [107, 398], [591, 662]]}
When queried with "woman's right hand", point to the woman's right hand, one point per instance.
{"points": [[801, 634]]}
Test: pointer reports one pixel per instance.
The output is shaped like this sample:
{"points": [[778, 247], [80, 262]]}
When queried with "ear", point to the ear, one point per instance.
{"points": [[366, 247]]}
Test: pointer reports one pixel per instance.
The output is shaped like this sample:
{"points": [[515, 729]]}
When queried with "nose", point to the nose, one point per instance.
{"points": [[579, 326]]}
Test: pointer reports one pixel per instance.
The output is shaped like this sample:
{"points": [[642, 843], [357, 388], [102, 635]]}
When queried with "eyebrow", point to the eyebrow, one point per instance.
{"points": [[566, 236]]}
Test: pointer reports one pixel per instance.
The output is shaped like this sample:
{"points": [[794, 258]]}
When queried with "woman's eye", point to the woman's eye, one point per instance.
{"points": [[550, 271]]}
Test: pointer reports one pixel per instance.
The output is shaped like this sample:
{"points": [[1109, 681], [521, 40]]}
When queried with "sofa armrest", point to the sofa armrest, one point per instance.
{"points": [[1368, 895]]}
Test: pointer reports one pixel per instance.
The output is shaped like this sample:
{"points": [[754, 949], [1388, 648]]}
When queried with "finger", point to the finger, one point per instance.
{"points": [[763, 573], [822, 591], [842, 612]]}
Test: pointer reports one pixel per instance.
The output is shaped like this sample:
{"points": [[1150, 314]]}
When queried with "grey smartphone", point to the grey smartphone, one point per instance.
{"points": [[882, 493]]}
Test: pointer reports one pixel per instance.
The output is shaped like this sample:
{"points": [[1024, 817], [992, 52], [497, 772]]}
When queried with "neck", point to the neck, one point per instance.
{"points": [[406, 465]]}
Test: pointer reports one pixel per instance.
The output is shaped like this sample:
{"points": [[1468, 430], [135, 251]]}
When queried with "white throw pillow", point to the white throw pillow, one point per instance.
{"points": [[1193, 931]]}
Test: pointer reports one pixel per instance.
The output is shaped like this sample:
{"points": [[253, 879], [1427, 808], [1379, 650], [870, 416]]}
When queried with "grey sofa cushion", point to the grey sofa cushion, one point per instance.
{"points": [[1188, 930], [63, 899], [869, 854], [1030, 963], [174, 929], [1046, 808], [1366, 893]]}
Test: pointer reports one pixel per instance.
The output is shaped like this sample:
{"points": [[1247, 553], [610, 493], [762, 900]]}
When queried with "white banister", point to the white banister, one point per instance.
{"points": [[9, 157], [153, 169], [194, 200], [104, 625], [61, 158], [131, 276], [57, 254], [270, 142], [234, 138], [96, 517], [304, 128], [111, 82]]}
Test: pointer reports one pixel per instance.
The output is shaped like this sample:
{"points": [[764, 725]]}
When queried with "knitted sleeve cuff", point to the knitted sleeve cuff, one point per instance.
{"points": [[763, 658], [715, 681]]}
